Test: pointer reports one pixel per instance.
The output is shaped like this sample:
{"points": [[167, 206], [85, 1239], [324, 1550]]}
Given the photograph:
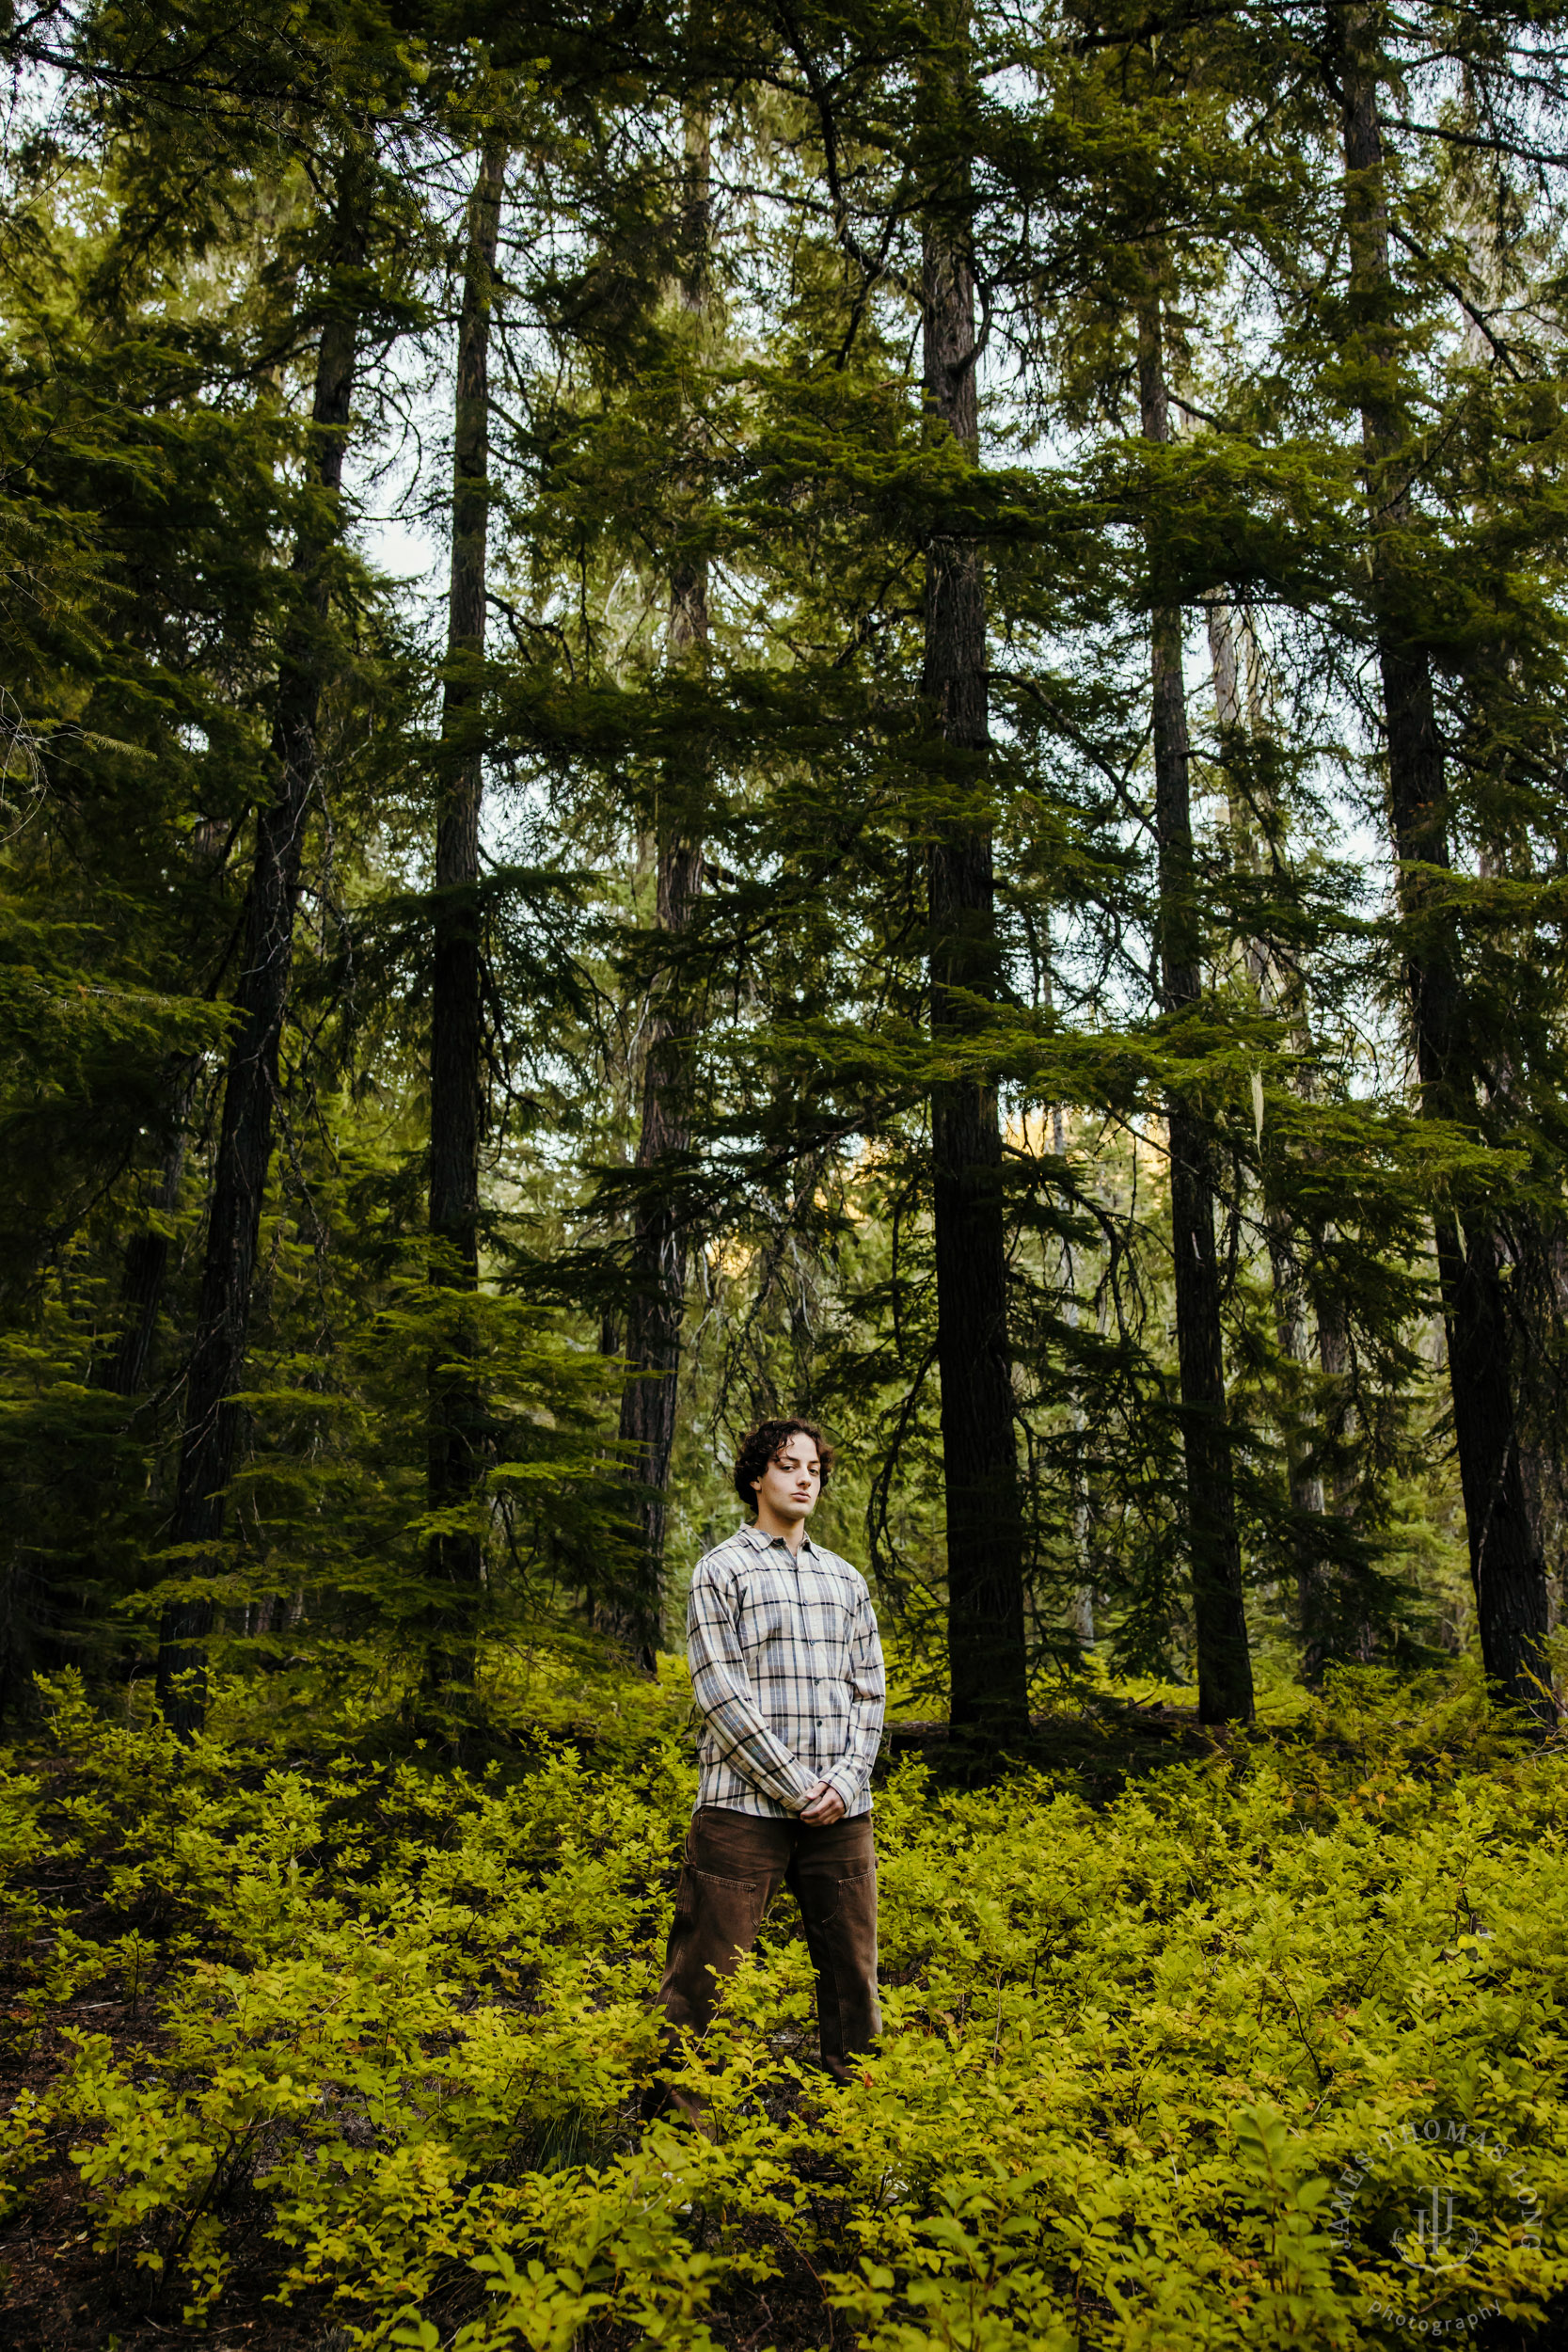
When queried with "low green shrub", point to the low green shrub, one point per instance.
{"points": [[1268, 2051]]}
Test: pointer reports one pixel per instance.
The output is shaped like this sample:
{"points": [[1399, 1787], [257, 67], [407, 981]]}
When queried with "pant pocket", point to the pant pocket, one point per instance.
{"points": [[727, 1912], [715, 1920], [847, 1895]]}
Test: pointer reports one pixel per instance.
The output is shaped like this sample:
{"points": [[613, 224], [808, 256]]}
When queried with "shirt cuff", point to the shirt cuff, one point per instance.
{"points": [[850, 1780], [793, 1796]]}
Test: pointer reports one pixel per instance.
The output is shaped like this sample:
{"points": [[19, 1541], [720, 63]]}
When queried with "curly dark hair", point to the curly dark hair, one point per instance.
{"points": [[764, 1443]]}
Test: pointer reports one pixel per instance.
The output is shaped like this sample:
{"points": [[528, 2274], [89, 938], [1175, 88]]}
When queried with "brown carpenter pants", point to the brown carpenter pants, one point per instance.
{"points": [[734, 1863]]}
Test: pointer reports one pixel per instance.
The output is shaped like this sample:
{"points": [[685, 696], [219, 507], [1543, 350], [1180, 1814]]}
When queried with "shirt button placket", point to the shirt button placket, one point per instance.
{"points": [[816, 1679]]}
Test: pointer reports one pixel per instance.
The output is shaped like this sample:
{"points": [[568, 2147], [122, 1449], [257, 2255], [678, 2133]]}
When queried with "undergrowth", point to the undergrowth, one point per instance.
{"points": [[1269, 2050]]}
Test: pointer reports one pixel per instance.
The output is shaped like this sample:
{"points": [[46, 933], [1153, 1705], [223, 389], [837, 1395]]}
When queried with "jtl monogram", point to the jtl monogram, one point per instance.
{"points": [[1433, 2231]]}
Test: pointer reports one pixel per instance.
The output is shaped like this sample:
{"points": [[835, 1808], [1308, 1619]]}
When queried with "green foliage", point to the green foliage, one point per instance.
{"points": [[362, 1975], [1133, 2057]]}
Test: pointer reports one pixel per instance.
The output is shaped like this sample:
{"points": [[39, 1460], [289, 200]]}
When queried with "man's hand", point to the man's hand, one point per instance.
{"points": [[826, 1805]]}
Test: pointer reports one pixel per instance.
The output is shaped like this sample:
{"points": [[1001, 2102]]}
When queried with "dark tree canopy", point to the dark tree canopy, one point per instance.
{"points": [[853, 712]]}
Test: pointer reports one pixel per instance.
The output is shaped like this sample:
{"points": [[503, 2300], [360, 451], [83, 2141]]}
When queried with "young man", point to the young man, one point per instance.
{"points": [[787, 1670]]}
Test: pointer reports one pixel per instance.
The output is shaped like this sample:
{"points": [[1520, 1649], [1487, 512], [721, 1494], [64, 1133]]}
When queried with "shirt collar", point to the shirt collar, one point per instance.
{"points": [[757, 1541]]}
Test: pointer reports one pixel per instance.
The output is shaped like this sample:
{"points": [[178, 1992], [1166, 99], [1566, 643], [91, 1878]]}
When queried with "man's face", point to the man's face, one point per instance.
{"points": [[792, 1481]]}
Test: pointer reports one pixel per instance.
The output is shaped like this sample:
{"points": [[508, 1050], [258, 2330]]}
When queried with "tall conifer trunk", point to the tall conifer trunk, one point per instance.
{"points": [[213, 1416], [1506, 1566], [986, 1659], [655, 1307], [1333, 1621], [1243, 732], [1219, 1620], [457, 980]]}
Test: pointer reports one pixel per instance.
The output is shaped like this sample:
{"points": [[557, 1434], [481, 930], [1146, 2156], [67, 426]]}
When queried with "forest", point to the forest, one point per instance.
{"points": [[725, 710]]}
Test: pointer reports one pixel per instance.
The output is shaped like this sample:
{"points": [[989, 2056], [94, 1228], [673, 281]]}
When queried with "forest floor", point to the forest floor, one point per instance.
{"points": [[314, 2042]]}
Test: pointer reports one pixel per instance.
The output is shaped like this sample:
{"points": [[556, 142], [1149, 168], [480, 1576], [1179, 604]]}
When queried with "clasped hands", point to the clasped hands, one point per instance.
{"points": [[825, 1806]]}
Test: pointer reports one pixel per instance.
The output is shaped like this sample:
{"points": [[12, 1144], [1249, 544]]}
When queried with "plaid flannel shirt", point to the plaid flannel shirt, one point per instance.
{"points": [[786, 1671]]}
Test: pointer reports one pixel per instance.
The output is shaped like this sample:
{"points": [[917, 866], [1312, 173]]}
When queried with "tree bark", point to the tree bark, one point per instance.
{"points": [[1506, 1566], [656, 1303], [987, 1657], [212, 1413], [457, 1416], [1219, 1619], [1538, 1285]]}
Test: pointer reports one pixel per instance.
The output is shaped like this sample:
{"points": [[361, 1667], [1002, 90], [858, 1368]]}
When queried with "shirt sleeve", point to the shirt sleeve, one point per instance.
{"points": [[867, 1706], [724, 1698]]}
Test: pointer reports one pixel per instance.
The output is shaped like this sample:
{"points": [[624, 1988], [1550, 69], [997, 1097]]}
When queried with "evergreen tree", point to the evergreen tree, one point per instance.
{"points": [[457, 1040], [215, 1380], [781, 931], [987, 1663], [659, 1241], [1506, 1563], [1224, 1664]]}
